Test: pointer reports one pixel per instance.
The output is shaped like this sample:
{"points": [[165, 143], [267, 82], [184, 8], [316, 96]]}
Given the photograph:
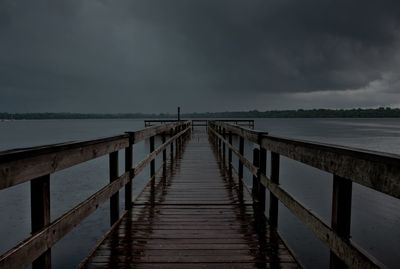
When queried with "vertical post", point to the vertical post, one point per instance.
{"points": [[179, 113], [40, 215], [219, 140], [273, 200], [172, 146], [164, 153], [178, 140], [128, 168], [341, 214], [230, 155], [240, 172], [114, 200], [223, 147], [261, 187], [153, 162], [256, 179]]}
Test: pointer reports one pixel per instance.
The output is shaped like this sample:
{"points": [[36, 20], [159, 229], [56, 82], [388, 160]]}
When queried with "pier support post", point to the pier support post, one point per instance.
{"points": [[40, 215], [128, 168], [261, 187], [256, 179], [273, 200], [341, 214], [114, 200], [223, 148], [164, 156], [171, 146], [164, 153], [153, 162], [240, 172], [230, 156]]}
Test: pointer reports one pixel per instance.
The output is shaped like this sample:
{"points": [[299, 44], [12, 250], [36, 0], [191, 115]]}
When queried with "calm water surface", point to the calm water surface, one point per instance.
{"points": [[375, 217]]}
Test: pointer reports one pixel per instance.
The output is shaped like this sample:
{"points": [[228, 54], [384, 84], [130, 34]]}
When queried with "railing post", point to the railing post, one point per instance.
{"points": [[341, 214], [230, 155], [273, 200], [114, 200], [256, 179], [40, 215], [164, 153], [223, 147], [153, 162], [219, 140], [171, 146], [261, 187], [128, 168], [240, 172]]}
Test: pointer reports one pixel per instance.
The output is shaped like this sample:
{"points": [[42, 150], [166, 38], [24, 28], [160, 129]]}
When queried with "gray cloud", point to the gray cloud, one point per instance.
{"points": [[123, 56]]}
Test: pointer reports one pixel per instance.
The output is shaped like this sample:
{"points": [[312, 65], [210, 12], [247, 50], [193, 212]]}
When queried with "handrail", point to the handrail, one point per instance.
{"points": [[379, 171], [21, 165], [203, 122], [36, 247]]}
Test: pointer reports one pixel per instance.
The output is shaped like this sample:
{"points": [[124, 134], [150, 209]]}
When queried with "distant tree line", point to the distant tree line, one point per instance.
{"points": [[382, 112]]}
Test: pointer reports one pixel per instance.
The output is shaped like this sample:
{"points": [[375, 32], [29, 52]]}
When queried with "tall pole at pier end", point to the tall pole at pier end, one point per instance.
{"points": [[179, 113]]}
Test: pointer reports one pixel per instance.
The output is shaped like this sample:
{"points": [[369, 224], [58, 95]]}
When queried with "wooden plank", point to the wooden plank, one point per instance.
{"points": [[376, 170], [196, 221], [19, 166]]}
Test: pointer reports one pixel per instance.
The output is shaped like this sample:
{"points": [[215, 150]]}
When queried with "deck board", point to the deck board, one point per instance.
{"points": [[193, 218]]}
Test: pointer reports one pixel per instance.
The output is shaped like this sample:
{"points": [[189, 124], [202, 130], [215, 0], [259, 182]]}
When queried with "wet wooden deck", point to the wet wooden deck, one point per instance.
{"points": [[192, 218]]}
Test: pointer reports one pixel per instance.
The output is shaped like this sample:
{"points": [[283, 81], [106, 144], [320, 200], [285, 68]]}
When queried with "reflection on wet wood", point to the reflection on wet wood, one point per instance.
{"points": [[193, 217]]}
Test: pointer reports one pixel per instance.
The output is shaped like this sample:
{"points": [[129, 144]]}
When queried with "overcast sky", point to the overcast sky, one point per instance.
{"points": [[204, 55]]}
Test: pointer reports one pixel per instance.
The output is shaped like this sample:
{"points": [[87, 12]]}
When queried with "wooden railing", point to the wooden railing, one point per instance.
{"points": [[204, 122], [38, 163], [378, 171]]}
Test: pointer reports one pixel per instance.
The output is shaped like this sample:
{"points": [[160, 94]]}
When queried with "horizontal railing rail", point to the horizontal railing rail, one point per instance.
{"points": [[204, 122], [376, 170], [36, 165]]}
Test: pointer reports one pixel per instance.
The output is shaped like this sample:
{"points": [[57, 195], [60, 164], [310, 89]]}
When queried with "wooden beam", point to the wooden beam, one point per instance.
{"points": [[341, 214], [18, 166], [128, 169], [114, 200], [40, 215], [273, 200], [378, 171]]}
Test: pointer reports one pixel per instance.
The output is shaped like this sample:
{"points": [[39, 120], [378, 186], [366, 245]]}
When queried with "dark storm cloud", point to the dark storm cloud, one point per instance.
{"points": [[126, 55]]}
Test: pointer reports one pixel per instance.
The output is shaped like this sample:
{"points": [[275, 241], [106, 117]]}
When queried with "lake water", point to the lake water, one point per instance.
{"points": [[375, 217]]}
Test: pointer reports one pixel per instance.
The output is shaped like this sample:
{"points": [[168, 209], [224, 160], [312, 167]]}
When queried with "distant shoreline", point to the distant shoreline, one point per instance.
{"points": [[300, 113]]}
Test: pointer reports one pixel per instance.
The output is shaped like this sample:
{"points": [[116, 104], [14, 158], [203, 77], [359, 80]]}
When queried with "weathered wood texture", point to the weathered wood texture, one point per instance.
{"points": [[328, 158], [21, 165], [377, 170], [47, 233], [192, 219]]}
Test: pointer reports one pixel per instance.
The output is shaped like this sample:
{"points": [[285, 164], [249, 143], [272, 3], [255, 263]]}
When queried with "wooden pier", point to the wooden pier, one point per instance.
{"points": [[196, 211], [194, 218]]}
